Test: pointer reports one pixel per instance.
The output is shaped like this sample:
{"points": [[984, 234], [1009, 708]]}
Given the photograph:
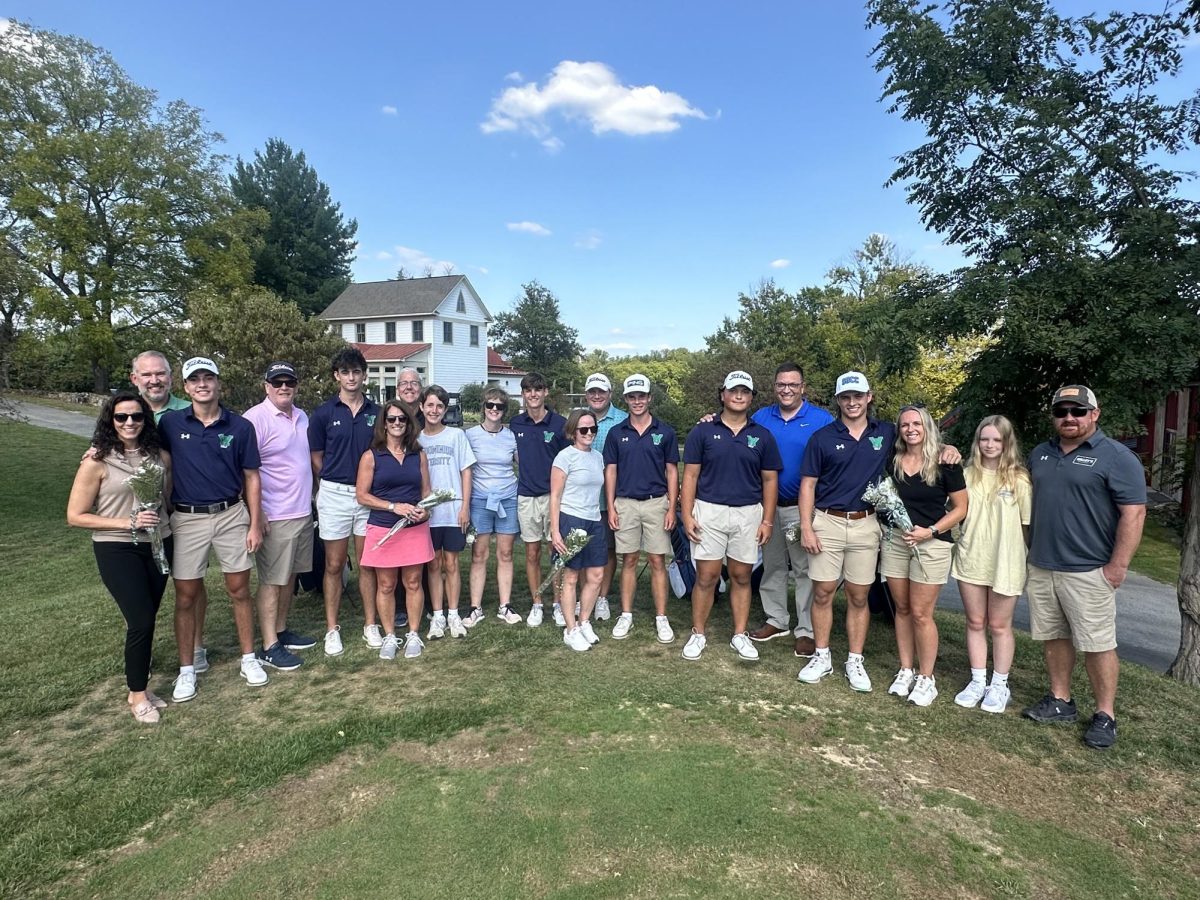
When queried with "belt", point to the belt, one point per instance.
{"points": [[210, 509], [847, 514], [644, 499], [786, 504]]}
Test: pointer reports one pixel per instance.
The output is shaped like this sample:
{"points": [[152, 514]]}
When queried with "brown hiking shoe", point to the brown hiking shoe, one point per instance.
{"points": [[805, 647]]}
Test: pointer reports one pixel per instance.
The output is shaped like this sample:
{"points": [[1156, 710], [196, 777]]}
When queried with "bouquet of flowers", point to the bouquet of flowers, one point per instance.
{"points": [[471, 535], [429, 502], [147, 486], [575, 540], [883, 496]]}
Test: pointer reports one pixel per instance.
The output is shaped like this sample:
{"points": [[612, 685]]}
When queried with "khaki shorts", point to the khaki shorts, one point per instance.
{"points": [[642, 526], [727, 531], [849, 549], [930, 565], [287, 550], [197, 533], [338, 512], [1080, 606], [533, 513]]}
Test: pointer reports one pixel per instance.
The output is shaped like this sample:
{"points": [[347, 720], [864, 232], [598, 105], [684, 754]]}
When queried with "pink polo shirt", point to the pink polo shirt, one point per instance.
{"points": [[286, 470]]}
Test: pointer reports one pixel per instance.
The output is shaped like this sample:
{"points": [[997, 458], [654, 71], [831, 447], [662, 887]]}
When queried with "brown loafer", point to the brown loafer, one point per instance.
{"points": [[767, 632], [145, 713], [805, 647]]}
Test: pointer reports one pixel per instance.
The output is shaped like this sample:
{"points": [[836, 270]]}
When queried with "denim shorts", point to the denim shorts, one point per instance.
{"points": [[488, 522]]}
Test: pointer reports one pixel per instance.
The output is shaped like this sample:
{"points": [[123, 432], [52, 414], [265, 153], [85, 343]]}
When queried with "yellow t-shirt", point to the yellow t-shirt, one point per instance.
{"points": [[992, 549]]}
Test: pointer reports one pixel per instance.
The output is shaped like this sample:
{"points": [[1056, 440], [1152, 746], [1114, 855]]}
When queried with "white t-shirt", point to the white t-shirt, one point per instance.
{"points": [[585, 481], [495, 453], [448, 453]]}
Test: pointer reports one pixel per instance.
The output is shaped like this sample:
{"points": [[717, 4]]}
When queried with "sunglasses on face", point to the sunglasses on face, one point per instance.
{"points": [[1075, 412], [122, 418], [495, 405], [397, 420], [587, 429], [284, 383]]}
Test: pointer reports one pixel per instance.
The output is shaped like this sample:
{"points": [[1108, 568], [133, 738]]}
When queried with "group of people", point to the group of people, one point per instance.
{"points": [[784, 486]]}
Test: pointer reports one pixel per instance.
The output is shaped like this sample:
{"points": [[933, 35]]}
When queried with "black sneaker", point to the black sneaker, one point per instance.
{"points": [[1051, 710], [294, 641], [1102, 733], [401, 619], [278, 656]]}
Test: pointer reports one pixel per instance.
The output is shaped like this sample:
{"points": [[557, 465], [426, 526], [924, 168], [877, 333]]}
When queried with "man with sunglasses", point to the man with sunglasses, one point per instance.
{"points": [[1089, 505], [287, 547]]}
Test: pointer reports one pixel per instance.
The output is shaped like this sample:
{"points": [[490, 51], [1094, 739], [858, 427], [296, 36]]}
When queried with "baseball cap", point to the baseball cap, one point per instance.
{"points": [[738, 378], [199, 364], [597, 381], [1075, 393], [275, 369], [636, 383], [852, 381]]}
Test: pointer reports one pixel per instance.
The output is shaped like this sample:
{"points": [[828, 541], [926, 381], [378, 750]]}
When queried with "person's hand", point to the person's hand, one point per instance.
{"points": [[669, 519], [918, 535], [145, 520], [950, 455], [809, 540], [614, 521], [706, 418], [90, 453], [764, 533], [464, 518], [253, 538], [692, 529], [1114, 575], [266, 528], [558, 543]]}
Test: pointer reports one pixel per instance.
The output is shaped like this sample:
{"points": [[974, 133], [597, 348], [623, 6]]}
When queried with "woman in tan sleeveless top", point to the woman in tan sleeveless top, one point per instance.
{"points": [[102, 501]]}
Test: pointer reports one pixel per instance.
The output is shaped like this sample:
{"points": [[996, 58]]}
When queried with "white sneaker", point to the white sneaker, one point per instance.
{"points": [[333, 642], [856, 674], [969, 697], [508, 615], [924, 691], [995, 698], [535, 616], [589, 632], [558, 616], [622, 628], [185, 687], [373, 635], [437, 627], [744, 646], [254, 673], [903, 683], [602, 611], [388, 650], [457, 628], [476, 616], [413, 645], [817, 668], [694, 646], [574, 638], [662, 627], [200, 660]]}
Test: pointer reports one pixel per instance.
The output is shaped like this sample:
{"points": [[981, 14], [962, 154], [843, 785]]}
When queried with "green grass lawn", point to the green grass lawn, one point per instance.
{"points": [[504, 765], [1158, 554]]}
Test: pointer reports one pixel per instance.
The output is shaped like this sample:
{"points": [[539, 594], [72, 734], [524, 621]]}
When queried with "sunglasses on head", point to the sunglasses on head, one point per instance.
{"points": [[283, 382], [1075, 412], [122, 418], [586, 429], [911, 407], [393, 420], [495, 405]]}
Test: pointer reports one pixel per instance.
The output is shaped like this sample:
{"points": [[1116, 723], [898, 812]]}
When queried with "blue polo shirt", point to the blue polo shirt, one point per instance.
{"points": [[641, 459], [792, 436], [731, 465], [844, 466], [342, 437], [604, 424], [537, 445], [207, 463]]}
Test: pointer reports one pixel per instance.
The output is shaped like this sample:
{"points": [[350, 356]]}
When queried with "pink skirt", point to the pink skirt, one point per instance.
{"points": [[410, 546]]}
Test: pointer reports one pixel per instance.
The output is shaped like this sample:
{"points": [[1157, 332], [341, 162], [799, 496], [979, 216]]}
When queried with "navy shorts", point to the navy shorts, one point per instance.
{"points": [[595, 552], [449, 538]]}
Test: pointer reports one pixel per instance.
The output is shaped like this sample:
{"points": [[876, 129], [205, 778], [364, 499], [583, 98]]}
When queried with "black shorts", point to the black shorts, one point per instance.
{"points": [[450, 538]]}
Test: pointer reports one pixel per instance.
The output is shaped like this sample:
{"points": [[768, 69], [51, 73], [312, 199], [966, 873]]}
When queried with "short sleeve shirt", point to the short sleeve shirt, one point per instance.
{"points": [[449, 453], [495, 453], [286, 470], [604, 425], [731, 465], [844, 466], [173, 402], [537, 445], [584, 470], [207, 462], [641, 459], [926, 503], [792, 436], [342, 436]]}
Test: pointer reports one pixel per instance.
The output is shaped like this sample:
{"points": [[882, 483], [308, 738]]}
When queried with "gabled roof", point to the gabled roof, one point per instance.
{"points": [[499, 365], [389, 352], [409, 297]]}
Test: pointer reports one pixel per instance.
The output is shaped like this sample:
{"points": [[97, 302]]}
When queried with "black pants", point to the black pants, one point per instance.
{"points": [[132, 577]]}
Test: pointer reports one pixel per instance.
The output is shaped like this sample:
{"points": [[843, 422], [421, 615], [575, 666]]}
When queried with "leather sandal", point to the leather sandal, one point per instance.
{"points": [[145, 713]]}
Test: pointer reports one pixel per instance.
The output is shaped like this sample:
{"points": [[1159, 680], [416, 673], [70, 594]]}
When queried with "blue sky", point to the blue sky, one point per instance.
{"points": [[646, 161]]}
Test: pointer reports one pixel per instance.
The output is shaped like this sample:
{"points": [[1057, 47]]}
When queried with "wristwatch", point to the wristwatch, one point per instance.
{"points": [[392, 507], [933, 530]]}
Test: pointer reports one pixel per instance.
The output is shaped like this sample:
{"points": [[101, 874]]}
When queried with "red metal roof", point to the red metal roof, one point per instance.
{"points": [[389, 352], [498, 364]]}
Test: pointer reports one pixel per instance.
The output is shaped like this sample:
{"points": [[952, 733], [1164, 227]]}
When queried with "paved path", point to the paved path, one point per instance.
{"points": [[79, 424]]}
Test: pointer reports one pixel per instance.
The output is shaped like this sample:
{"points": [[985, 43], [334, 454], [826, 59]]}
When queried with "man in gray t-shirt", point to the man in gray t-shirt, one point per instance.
{"points": [[1089, 504]]}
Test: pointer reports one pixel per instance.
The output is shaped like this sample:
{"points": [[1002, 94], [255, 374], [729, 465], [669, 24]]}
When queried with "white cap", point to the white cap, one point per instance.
{"points": [[738, 378], [635, 383], [852, 381], [199, 364], [597, 381]]}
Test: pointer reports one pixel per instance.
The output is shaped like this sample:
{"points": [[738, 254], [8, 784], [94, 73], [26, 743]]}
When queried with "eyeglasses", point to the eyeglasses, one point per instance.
{"points": [[789, 386], [586, 429], [410, 384], [122, 418], [396, 420], [283, 383], [1075, 412], [495, 406]]}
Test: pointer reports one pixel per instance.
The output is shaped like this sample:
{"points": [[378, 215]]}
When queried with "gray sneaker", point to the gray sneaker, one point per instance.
{"points": [[200, 660], [413, 645], [388, 650]]}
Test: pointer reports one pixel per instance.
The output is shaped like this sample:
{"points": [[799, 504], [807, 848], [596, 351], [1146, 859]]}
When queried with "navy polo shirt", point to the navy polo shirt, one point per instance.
{"points": [[537, 445], [731, 465], [1073, 526], [843, 466], [641, 459], [207, 462], [792, 436], [342, 437]]}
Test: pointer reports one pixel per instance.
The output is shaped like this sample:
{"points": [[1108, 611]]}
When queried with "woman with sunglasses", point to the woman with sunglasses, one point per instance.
{"points": [[916, 563], [989, 561], [393, 476], [493, 504], [102, 501], [576, 479]]}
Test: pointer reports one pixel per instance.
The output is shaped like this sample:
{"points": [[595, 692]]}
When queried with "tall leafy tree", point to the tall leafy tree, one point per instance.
{"points": [[533, 336], [307, 248], [1050, 158], [101, 191]]}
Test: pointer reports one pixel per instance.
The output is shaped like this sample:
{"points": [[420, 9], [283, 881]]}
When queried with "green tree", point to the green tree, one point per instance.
{"points": [[101, 190], [307, 249], [533, 336], [1048, 158]]}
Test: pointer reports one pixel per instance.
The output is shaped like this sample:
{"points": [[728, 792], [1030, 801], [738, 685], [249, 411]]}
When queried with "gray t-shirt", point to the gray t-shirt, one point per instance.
{"points": [[585, 481], [1073, 526], [448, 454], [495, 454]]}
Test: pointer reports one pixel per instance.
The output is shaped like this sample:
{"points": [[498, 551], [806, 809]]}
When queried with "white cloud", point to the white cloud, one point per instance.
{"points": [[780, 263], [529, 228], [514, 76], [588, 92], [415, 262], [616, 331], [388, 110], [383, 254], [589, 241]]}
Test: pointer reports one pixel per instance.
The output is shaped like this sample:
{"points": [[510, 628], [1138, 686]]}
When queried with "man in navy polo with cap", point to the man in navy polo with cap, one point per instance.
{"points": [[217, 499], [641, 484]]}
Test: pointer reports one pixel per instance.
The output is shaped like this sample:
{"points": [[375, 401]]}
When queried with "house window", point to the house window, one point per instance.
{"points": [[389, 332], [360, 332], [462, 302], [447, 332], [474, 335], [418, 331]]}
